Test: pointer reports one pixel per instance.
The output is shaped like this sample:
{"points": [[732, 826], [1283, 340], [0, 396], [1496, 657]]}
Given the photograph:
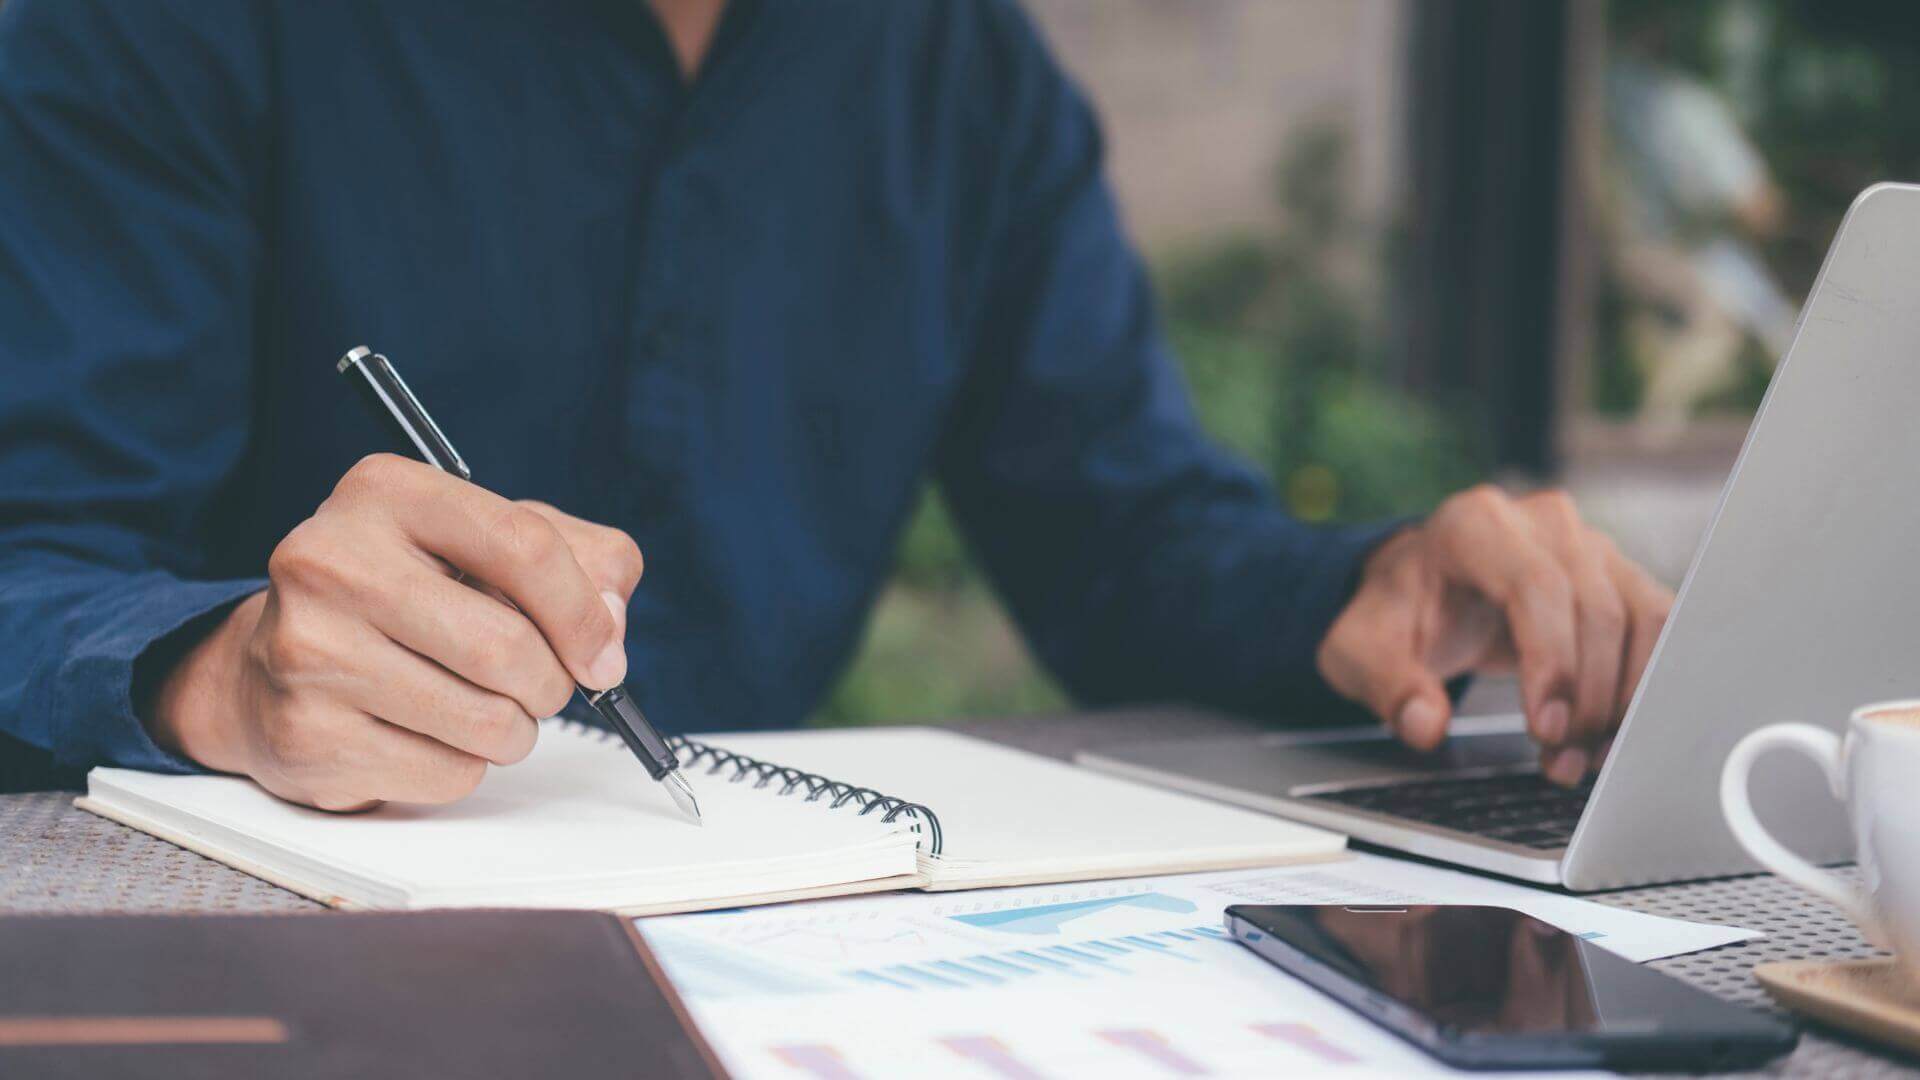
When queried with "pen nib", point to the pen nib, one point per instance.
{"points": [[677, 787]]}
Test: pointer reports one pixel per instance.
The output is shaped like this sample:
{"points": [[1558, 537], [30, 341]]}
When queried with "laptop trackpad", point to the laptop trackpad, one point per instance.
{"points": [[1322, 765]]}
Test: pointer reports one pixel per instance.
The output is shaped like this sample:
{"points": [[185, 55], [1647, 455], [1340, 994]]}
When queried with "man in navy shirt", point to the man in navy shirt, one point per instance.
{"points": [[728, 279]]}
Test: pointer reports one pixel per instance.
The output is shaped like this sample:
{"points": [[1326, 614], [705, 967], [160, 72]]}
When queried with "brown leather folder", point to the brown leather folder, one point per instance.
{"points": [[469, 994]]}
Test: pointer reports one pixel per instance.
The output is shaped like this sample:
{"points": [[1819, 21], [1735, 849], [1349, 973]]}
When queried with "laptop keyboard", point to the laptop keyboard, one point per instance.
{"points": [[1518, 808]]}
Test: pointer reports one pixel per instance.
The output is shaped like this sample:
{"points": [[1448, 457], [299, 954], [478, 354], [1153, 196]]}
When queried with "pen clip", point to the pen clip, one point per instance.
{"points": [[392, 391]]}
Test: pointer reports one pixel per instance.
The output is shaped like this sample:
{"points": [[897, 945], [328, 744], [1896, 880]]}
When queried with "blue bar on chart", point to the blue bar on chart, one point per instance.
{"points": [[1099, 958], [1050, 918]]}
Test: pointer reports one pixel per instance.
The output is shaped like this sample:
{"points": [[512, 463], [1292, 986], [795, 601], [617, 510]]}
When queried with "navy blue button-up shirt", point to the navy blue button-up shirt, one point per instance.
{"points": [[742, 318]]}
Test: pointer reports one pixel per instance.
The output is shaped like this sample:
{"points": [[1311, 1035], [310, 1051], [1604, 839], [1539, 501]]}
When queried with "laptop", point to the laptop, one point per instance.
{"points": [[1802, 601]]}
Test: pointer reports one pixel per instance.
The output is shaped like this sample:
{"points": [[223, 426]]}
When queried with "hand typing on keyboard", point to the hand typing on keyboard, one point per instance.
{"points": [[1492, 583]]}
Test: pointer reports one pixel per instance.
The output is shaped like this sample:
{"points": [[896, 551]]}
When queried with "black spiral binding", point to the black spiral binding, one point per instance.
{"points": [[693, 753]]}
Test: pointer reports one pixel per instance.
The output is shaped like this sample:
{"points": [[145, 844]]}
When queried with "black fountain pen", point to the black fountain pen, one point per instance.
{"points": [[389, 393]]}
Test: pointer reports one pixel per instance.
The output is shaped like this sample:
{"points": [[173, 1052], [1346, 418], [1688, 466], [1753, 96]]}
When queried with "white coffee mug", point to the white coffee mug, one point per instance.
{"points": [[1875, 771]]}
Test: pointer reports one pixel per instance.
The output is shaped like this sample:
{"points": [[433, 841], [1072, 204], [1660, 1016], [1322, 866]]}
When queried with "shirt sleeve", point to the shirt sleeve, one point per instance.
{"points": [[127, 267], [1142, 561]]}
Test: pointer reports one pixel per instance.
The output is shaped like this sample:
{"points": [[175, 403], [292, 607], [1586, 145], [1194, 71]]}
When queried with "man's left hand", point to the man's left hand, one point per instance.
{"points": [[1492, 583]]}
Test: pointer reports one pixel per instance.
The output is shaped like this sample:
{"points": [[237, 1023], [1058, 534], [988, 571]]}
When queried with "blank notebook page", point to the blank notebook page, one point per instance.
{"points": [[577, 824], [1010, 816]]}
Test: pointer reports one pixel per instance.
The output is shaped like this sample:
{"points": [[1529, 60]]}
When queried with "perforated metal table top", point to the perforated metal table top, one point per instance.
{"points": [[57, 859]]}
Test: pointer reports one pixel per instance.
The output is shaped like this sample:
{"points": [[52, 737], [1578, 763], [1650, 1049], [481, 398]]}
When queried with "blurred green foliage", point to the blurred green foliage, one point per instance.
{"points": [[1823, 89], [1280, 340]]}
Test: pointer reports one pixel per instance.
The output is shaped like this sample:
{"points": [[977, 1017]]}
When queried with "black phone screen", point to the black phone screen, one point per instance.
{"points": [[1464, 975]]}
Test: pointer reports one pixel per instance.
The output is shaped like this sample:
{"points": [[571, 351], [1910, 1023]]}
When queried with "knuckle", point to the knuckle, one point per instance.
{"points": [[301, 559], [295, 647], [496, 730], [375, 474], [1607, 614], [1547, 583], [1479, 502], [555, 689], [519, 536], [503, 648], [623, 553], [1484, 498], [1556, 503]]}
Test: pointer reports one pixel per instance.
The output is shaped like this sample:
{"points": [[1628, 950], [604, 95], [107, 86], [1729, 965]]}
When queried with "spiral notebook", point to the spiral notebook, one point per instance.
{"points": [[788, 816]]}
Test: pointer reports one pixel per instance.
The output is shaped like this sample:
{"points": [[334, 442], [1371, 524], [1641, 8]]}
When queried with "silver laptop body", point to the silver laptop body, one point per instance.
{"points": [[1802, 602]]}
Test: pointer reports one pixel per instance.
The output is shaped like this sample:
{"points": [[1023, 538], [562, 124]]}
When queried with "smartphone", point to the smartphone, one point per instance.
{"points": [[1492, 988]]}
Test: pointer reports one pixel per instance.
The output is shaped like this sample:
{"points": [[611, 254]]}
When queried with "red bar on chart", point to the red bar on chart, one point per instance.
{"points": [[1154, 1047], [1306, 1037], [991, 1054], [818, 1061]]}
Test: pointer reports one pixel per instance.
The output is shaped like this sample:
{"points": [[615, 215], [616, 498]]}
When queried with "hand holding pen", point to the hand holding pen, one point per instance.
{"points": [[388, 395], [365, 672]]}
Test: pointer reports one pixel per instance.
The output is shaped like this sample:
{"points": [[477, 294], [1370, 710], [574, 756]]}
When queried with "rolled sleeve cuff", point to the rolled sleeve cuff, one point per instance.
{"points": [[124, 639], [1300, 693]]}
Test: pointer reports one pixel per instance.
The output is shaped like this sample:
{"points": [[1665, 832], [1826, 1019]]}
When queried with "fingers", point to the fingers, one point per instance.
{"points": [[337, 759], [1376, 653], [1600, 615], [321, 665], [1484, 541], [608, 555], [409, 691], [515, 549], [477, 638], [1490, 582], [369, 672], [1648, 604]]}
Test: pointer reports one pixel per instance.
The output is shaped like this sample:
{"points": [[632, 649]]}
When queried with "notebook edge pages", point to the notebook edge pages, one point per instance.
{"points": [[106, 808], [953, 871], [961, 882], [932, 873]]}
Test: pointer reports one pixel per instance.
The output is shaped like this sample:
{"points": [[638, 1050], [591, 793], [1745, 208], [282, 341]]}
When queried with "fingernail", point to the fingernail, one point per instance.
{"points": [[1418, 719], [1569, 768], [1551, 728], [609, 667], [619, 609]]}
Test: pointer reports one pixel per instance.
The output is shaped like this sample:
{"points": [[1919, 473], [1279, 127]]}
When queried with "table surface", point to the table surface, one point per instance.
{"points": [[56, 859]]}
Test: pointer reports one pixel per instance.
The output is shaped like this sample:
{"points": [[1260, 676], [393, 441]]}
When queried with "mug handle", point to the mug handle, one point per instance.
{"points": [[1824, 747]]}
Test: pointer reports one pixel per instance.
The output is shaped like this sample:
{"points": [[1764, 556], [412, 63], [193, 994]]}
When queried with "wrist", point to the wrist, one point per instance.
{"points": [[197, 705], [1390, 550]]}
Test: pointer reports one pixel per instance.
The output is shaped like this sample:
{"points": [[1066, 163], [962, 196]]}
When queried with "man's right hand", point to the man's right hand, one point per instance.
{"points": [[369, 671]]}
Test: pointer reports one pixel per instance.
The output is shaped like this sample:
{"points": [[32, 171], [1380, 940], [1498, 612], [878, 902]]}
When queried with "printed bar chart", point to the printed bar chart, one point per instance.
{"points": [[1051, 918], [1098, 958], [992, 1055], [1306, 1037], [1155, 1048], [820, 1062]]}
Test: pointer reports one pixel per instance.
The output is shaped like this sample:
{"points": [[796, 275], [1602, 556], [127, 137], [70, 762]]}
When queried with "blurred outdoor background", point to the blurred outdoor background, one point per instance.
{"points": [[1403, 245]]}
